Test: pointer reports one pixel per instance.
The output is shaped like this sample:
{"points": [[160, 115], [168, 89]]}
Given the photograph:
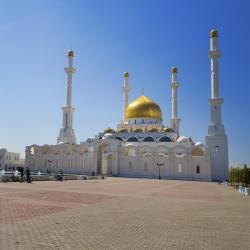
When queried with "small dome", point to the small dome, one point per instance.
{"points": [[126, 74], [143, 107], [168, 130], [138, 130], [123, 130], [108, 130], [213, 33], [70, 53], [174, 69], [199, 144], [153, 130], [107, 135], [183, 139]]}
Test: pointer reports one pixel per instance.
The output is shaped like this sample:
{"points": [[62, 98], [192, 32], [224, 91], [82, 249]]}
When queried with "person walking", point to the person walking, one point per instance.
{"points": [[21, 172], [28, 175], [61, 175]]}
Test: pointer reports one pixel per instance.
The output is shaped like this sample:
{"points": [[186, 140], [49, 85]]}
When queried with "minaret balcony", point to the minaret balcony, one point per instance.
{"points": [[214, 54], [69, 70]]}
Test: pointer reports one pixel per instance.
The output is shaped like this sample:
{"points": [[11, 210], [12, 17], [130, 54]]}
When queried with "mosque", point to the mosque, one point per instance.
{"points": [[141, 145]]}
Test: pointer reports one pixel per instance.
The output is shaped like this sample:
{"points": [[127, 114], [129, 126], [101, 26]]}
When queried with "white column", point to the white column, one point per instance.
{"points": [[67, 133], [214, 54], [70, 71], [216, 126], [216, 140], [126, 91], [174, 86], [175, 121]]}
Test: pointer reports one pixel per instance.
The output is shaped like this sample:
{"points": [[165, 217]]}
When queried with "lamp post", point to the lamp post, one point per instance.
{"points": [[159, 165], [49, 161]]}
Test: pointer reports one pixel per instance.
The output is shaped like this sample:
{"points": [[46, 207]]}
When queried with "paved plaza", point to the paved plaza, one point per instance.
{"points": [[122, 213]]}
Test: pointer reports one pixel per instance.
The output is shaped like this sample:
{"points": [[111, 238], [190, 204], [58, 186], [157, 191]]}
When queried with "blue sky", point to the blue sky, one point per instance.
{"points": [[109, 37]]}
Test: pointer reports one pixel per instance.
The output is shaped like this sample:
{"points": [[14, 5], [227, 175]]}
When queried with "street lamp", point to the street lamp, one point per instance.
{"points": [[49, 161], [159, 165]]}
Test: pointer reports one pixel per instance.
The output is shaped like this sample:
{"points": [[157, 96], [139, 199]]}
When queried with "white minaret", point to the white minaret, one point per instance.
{"points": [[126, 91], [175, 121], [67, 133], [216, 140]]}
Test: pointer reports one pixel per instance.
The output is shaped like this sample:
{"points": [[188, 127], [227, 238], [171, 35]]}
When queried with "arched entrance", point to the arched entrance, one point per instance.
{"points": [[109, 164], [101, 168]]}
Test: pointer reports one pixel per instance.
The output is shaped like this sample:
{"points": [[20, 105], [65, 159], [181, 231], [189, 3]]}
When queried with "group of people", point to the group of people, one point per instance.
{"points": [[13, 175], [27, 172]]}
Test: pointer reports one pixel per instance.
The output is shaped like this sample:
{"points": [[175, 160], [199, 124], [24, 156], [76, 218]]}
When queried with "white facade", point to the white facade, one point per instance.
{"points": [[110, 156], [141, 145], [9, 160]]}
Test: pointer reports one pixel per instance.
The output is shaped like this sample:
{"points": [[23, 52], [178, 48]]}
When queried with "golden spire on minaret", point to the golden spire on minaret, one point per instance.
{"points": [[213, 33], [126, 74], [70, 52], [174, 69]]}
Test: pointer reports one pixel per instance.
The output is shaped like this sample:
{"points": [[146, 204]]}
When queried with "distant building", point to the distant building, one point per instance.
{"points": [[141, 145], [10, 160]]}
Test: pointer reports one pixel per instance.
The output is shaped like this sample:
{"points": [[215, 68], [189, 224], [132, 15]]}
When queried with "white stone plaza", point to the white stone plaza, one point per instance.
{"points": [[123, 213]]}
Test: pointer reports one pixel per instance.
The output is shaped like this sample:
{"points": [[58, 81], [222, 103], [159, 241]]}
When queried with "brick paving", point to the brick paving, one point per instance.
{"points": [[120, 213]]}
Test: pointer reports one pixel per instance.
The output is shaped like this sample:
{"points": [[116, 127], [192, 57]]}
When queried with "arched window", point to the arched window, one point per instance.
{"points": [[130, 165], [179, 168], [197, 169], [32, 150], [180, 154], [145, 167], [132, 139], [148, 139], [118, 138], [165, 139]]}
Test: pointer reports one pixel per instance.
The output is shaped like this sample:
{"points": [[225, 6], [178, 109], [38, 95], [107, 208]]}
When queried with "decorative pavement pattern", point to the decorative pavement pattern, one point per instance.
{"points": [[122, 213]]}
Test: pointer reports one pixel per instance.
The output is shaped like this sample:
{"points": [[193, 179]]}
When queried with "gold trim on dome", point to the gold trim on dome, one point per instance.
{"points": [[126, 74], [138, 130], [213, 33], [152, 130], [143, 107], [123, 130], [168, 130]]}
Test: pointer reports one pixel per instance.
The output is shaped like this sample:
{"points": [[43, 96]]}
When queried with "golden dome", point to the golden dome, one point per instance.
{"points": [[143, 107], [213, 33], [126, 74], [174, 69], [70, 53]]}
